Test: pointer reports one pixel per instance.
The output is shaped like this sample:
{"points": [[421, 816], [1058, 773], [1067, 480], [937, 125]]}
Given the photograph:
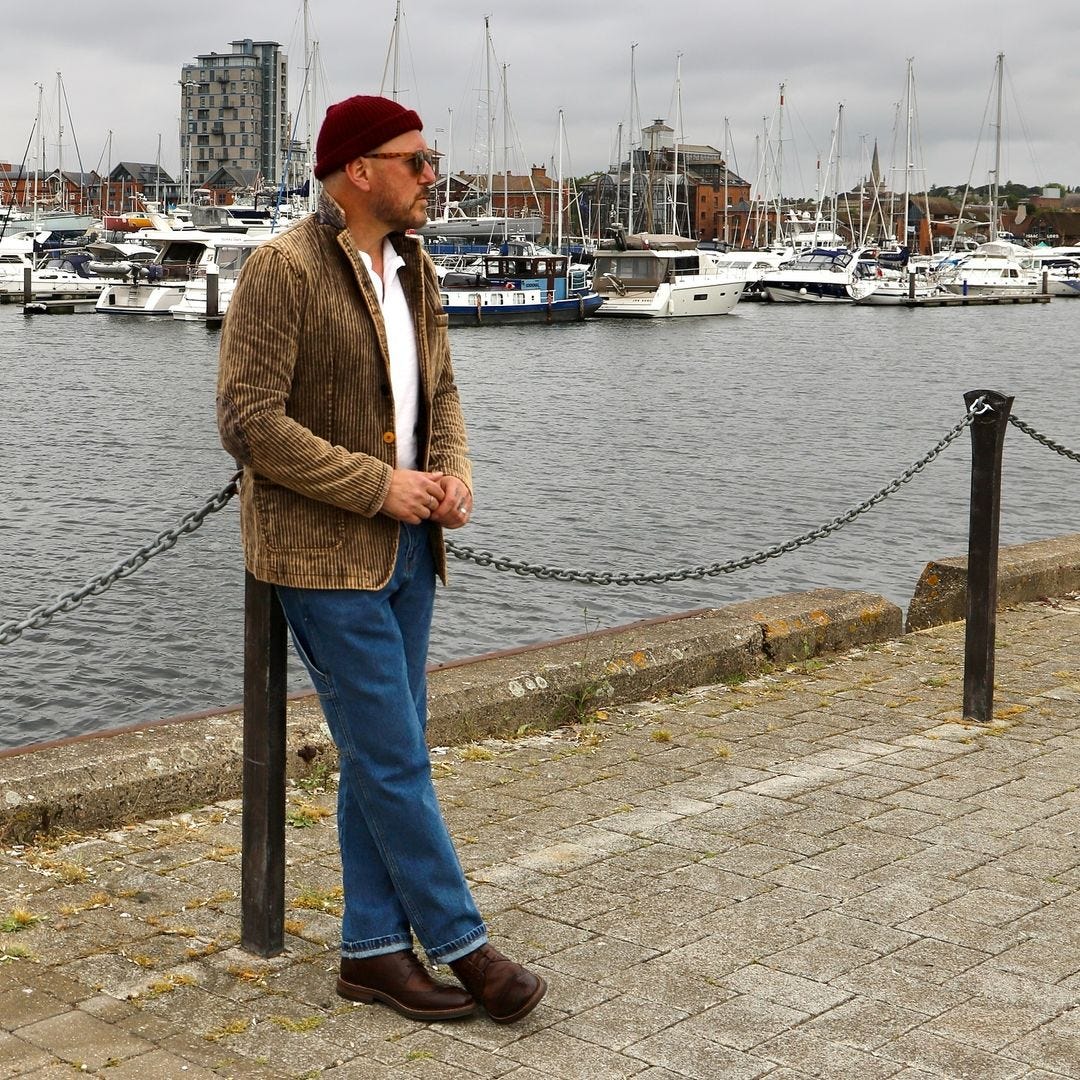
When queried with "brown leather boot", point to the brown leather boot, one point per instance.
{"points": [[507, 990], [399, 980]]}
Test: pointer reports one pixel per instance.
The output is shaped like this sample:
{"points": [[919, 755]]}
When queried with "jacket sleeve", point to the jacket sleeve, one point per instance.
{"points": [[260, 345]]}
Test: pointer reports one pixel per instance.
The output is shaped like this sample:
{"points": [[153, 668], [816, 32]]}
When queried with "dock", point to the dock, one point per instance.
{"points": [[71, 306], [957, 300]]}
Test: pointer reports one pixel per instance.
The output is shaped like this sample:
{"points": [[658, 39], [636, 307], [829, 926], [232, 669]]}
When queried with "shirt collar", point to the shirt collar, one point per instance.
{"points": [[392, 261]]}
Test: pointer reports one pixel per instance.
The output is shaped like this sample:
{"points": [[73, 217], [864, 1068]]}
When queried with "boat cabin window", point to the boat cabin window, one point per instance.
{"points": [[230, 259], [629, 269], [685, 264], [500, 266]]}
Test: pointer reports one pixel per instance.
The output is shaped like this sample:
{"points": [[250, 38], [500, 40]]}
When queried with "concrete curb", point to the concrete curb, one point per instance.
{"points": [[106, 780], [1025, 572]]}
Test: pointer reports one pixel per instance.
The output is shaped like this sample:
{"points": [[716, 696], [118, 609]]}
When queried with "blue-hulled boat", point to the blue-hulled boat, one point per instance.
{"points": [[519, 285]]}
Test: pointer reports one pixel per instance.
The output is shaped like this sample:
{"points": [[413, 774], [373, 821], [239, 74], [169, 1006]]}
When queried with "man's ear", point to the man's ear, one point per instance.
{"points": [[357, 172]]}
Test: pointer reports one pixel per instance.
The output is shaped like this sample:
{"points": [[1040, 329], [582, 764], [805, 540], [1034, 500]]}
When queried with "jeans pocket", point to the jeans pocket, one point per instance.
{"points": [[320, 681]]}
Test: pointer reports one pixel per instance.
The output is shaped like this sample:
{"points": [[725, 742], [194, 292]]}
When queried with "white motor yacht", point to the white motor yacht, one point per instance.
{"points": [[183, 257], [195, 305], [47, 279], [1058, 269], [820, 276], [992, 269], [657, 276]]}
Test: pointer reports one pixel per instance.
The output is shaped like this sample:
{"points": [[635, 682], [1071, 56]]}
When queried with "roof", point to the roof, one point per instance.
{"points": [[232, 176], [144, 173]]}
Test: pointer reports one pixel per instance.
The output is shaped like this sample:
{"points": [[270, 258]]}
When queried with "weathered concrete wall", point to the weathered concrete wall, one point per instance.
{"points": [[1025, 572], [106, 780]]}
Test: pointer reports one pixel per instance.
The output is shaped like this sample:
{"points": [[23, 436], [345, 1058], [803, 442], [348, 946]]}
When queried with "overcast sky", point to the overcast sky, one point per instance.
{"points": [[724, 61]]}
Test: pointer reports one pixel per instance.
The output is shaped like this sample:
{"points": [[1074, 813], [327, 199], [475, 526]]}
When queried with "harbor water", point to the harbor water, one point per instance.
{"points": [[607, 445]]}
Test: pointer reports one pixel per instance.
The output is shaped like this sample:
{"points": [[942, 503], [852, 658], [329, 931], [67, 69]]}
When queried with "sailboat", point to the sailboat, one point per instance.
{"points": [[463, 221], [993, 268], [894, 285], [822, 273], [48, 218]]}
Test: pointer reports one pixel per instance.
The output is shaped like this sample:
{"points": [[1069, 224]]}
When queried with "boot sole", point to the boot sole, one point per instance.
{"points": [[525, 1009], [365, 995]]}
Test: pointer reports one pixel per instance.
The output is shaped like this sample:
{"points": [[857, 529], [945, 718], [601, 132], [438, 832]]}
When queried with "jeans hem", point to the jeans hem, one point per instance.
{"points": [[361, 950], [460, 947]]}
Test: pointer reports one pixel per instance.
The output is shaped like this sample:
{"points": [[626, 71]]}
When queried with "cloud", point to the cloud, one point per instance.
{"points": [[121, 75]]}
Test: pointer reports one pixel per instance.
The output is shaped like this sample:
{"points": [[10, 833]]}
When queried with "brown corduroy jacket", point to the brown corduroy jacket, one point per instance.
{"points": [[305, 406]]}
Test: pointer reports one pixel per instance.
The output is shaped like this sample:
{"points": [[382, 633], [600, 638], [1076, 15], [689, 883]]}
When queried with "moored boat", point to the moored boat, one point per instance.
{"points": [[993, 269], [47, 279], [655, 276], [1058, 269], [157, 287], [519, 285], [820, 276]]}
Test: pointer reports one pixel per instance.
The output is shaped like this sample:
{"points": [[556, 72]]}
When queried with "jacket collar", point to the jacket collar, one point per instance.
{"points": [[330, 213]]}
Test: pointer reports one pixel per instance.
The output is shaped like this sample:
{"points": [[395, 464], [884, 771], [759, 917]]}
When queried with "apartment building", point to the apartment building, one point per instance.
{"points": [[235, 114]]}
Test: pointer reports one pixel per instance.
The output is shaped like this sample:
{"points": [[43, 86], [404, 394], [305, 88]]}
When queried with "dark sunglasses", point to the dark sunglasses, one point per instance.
{"points": [[417, 158]]}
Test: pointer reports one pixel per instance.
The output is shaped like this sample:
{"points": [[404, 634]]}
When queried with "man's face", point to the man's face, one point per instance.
{"points": [[398, 192]]}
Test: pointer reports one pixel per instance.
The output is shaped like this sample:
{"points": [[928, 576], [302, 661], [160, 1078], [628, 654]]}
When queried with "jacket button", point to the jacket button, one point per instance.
{"points": [[388, 437]]}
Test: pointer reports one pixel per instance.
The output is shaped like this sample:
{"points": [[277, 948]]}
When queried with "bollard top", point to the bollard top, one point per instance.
{"points": [[997, 406]]}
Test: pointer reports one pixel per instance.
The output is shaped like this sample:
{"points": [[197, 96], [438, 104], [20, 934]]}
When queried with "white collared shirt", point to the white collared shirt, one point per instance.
{"points": [[401, 341]]}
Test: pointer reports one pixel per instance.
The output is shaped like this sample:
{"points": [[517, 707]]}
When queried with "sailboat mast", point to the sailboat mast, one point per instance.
{"points": [[490, 148], [559, 180], [630, 191], [779, 166], [449, 149], [727, 138], [908, 163], [618, 174], [61, 186], [995, 190], [397, 46], [835, 194], [39, 153], [678, 138], [506, 158], [309, 121]]}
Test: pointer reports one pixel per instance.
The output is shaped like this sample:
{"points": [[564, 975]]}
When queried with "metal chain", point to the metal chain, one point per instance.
{"points": [[589, 577], [1027, 429], [41, 616]]}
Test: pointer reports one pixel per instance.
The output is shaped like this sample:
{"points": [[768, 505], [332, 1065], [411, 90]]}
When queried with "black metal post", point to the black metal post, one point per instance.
{"points": [[987, 437], [262, 887], [212, 278]]}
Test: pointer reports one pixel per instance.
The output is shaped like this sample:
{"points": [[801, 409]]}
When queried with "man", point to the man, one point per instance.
{"points": [[336, 393]]}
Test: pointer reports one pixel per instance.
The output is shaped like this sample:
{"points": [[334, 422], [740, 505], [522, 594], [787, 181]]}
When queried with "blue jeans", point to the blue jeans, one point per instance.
{"points": [[366, 652]]}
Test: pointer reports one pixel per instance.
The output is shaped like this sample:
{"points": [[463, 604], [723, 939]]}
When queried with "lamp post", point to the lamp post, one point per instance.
{"points": [[188, 87]]}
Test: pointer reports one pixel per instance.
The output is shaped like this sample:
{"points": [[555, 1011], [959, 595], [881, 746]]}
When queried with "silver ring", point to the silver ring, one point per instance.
{"points": [[461, 508]]}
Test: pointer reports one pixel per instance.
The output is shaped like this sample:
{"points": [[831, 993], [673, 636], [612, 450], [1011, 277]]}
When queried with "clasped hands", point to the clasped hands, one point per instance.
{"points": [[416, 496]]}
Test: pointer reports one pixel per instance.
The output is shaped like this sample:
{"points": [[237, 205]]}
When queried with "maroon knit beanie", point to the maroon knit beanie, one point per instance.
{"points": [[356, 125]]}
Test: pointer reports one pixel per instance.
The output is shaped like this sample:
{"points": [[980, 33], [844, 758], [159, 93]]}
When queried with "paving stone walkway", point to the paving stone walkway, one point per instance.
{"points": [[820, 873]]}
